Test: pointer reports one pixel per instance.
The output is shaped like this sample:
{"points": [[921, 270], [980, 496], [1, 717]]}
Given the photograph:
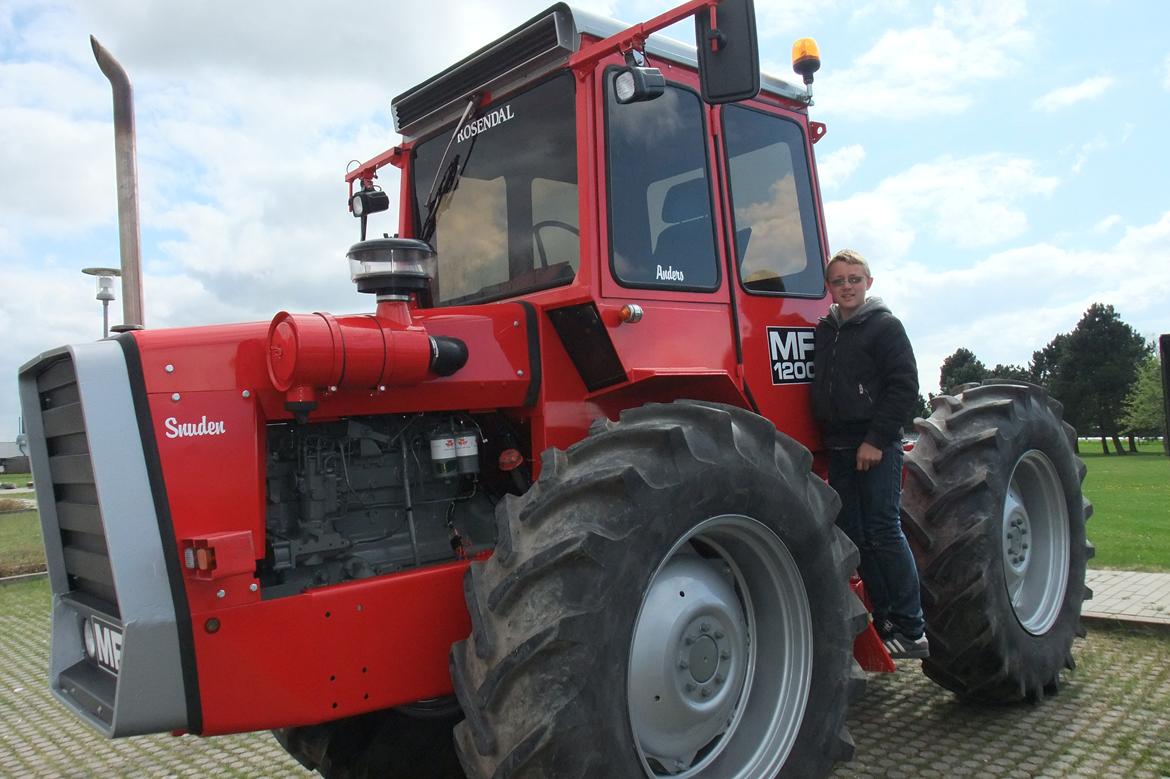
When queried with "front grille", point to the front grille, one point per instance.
{"points": [[79, 519]]}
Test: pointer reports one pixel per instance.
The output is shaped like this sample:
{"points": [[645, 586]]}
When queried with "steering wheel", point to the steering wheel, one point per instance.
{"points": [[536, 228]]}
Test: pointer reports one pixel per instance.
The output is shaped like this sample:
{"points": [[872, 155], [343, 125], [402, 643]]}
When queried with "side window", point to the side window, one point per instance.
{"points": [[777, 243], [661, 231]]}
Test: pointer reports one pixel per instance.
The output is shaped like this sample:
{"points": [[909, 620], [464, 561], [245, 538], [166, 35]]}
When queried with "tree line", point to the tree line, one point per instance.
{"points": [[1103, 372]]}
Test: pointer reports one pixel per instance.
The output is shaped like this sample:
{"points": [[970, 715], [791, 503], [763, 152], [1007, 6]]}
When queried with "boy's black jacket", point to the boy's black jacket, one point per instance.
{"points": [[865, 380]]}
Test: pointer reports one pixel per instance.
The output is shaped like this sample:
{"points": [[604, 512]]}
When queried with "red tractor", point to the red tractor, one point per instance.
{"points": [[555, 495]]}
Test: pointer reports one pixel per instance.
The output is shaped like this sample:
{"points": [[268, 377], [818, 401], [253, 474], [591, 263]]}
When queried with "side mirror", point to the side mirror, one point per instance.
{"points": [[729, 53]]}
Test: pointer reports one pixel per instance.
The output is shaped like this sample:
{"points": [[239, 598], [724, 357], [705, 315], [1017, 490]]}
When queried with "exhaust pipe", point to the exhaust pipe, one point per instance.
{"points": [[126, 159]]}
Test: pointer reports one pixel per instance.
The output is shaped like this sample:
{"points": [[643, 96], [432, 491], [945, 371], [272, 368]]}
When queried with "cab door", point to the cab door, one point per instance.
{"points": [[778, 253]]}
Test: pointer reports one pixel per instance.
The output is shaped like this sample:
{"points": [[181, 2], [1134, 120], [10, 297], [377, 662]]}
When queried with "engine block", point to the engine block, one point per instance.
{"points": [[370, 496]]}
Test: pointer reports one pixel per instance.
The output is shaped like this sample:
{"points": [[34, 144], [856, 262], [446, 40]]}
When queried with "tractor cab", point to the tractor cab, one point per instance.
{"points": [[576, 164]]}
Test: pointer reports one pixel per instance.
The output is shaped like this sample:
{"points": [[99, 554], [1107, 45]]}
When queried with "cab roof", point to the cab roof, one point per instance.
{"points": [[527, 53]]}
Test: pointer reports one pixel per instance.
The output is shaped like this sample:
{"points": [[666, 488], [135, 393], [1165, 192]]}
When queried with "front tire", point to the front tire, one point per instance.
{"points": [[996, 518], [669, 599]]}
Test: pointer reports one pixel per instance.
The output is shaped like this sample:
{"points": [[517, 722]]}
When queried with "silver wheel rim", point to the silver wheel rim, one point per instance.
{"points": [[721, 659], [1035, 542]]}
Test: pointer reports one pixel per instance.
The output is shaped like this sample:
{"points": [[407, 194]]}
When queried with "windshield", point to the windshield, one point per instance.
{"points": [[510, 224]]}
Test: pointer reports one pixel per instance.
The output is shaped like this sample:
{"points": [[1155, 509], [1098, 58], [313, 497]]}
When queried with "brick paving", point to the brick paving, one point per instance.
{"points": [[1111, 719], [1129, 596]]}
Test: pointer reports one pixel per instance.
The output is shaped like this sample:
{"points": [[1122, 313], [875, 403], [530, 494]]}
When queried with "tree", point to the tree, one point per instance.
{"points": [[1145, 412], [1046, 369], [1011, 372], [1045, 365], [921, 409], [960, 368], [1096, 367]]}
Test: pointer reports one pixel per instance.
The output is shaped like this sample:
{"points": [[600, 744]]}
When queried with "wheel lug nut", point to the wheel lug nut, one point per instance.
{"points": [[704, 628], [690, 640], [683, 664], [705, 692], [719, 678], [718, 634], [724, 655], [689, 687]]}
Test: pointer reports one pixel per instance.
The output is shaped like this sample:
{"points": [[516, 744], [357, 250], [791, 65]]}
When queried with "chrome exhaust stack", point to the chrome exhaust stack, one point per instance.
{"points": [[126, 162]]}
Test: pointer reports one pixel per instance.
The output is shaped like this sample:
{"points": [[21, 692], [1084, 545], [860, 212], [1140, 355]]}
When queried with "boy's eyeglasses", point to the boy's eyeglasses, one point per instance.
{"points": [[851, 280]]}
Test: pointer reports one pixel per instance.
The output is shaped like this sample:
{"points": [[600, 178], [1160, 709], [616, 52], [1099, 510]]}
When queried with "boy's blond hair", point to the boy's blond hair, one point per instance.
{"points": [[851, 257]]}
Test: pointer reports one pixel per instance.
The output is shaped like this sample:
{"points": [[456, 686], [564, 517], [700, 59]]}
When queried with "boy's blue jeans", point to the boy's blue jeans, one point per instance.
{"points": [[871, 517]]}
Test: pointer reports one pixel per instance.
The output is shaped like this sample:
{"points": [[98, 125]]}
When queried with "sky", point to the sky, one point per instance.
{"points": [[1003, 164]]}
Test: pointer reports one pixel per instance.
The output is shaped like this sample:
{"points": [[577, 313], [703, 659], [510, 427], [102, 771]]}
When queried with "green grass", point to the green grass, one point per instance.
{"points": [[21, 550], [19, 479], [1130, 525], [1131, 507]]}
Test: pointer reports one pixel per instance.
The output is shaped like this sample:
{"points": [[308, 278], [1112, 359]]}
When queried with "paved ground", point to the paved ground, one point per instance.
{"points": [[1112, 719], [1129, 596]]}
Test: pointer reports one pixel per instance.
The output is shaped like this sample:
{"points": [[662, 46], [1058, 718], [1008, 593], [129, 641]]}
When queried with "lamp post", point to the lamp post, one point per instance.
{"points": [[105, 292]]}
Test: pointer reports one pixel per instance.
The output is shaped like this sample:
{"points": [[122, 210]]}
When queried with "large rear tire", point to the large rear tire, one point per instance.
{"points": [[669, 599], [414, 743], [996, 518]]}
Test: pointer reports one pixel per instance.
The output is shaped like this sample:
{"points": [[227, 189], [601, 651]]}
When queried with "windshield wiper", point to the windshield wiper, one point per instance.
{"points": [[446, 177]]}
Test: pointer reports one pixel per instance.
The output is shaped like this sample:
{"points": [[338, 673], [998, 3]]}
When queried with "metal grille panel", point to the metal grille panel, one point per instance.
{"points": [[79, 519]]}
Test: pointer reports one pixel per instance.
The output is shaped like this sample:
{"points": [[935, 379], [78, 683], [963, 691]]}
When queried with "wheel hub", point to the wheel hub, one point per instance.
{"points": [[687, 668], [703, 658], [1017, 532], [1035, 542], [721, 658]]}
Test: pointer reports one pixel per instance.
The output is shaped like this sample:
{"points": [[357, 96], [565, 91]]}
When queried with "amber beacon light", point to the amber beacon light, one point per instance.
{"points": [[806, 60]]}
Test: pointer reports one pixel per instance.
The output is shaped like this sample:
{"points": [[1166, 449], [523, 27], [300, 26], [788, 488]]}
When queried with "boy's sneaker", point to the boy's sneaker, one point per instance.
{"points": [[902, 648]]}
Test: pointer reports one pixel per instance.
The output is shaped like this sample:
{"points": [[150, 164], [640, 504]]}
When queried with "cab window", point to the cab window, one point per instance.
{"points": [[508, 225], [778, 247], [661, 231]]}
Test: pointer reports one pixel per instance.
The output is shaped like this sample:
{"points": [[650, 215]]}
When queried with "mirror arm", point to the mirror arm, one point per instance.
{"points": [[635, 37]]}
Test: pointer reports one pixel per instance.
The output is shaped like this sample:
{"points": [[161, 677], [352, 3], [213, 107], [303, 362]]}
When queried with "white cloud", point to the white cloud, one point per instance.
{"points": [[1095, 144], [929, 69], [1066, 96], [1107, 224], [58, 172], [967, 202], [836, 167], [1012, 303], [247, 115]]}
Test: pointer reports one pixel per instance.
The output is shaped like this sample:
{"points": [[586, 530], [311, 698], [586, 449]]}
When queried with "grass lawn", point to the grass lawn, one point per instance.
{"points": [[1131, 507], [21, 550], [1130, 525], [19, 479]]}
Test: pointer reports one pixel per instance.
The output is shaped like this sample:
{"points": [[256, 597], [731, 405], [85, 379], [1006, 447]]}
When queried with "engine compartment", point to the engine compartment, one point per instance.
{"points": [[369, 496]]}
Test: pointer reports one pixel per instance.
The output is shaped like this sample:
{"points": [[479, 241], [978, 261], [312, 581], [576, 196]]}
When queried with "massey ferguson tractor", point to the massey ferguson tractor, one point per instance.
{"points": [[552, 506]]}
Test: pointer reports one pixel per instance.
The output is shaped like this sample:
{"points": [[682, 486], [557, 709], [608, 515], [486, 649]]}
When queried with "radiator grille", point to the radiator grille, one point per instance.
{"points": [[79, 519]]}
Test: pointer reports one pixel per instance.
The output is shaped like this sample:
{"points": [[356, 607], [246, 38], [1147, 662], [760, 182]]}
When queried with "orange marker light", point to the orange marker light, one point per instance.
{"points": [[806, 58], [510, 460]]}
